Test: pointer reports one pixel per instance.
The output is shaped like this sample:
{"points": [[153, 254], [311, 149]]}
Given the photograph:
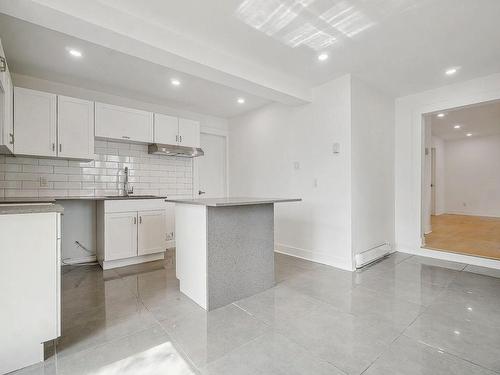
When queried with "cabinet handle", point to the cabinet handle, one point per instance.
{"points": [[180, 136], [11, 138], [177, 138], [53, 146], [135, 220], [3, 64], [60, 147], [140, 219], [125, 137]]}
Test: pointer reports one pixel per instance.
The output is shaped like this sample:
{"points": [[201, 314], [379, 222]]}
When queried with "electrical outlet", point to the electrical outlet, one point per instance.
{"points": [[43, 182]]}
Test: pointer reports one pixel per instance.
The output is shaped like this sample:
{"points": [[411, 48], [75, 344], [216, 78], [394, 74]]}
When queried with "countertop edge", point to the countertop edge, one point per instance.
{"points": [[228, 204], [30, 208]]}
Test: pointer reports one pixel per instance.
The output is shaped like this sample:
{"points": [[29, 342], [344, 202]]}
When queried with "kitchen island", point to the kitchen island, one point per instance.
{"points": [[224, 248]]}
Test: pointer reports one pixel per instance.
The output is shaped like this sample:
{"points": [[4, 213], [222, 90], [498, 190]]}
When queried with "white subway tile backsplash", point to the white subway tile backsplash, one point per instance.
{"points": [[10, 184], [20, 160], [148, 174], [28, 168], [11, 168], [54, 162], [67, 185], [17, 193]]}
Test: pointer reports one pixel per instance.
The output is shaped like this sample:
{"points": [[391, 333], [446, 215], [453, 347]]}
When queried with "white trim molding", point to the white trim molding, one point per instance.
{"points": [[313, 256], [454, 257]]}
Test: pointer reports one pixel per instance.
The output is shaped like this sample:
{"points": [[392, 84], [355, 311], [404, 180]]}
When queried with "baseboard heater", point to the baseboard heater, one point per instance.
{"points": [[372, 255]]}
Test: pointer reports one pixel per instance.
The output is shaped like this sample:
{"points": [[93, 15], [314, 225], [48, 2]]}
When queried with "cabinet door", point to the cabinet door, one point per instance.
{"points": [[166, 129], [121, 123], [120, 235], [6, 114], [34, 122], [152, 236], [75, 124], [170, 221], [189, 133]]}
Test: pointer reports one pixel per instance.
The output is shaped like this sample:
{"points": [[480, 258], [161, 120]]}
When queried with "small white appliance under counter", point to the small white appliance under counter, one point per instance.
{"points": [[30, 276], [224, 248]]}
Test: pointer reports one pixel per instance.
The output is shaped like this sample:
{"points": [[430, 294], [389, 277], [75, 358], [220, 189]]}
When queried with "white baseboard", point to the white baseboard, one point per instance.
{"points": [[460, 258], [465, 213], [87, 259], [106, 265], [314, 257]]}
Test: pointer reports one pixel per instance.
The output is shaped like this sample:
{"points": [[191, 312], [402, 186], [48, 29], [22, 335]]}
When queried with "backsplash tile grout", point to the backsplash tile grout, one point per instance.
{"points": [[149, 174]]}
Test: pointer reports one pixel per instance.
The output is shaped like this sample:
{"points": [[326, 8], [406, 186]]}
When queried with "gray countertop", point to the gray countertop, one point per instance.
{"points": [[66, 198], [29, 208], [232, 201]]}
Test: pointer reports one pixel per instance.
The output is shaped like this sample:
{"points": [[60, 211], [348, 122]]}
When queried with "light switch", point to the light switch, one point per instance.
{"points": [[336, 148]]}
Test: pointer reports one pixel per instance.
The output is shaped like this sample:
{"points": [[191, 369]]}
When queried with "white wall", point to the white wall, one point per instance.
{"points": [[263, 147], [473, 176], [372, 139], [409, 149]]}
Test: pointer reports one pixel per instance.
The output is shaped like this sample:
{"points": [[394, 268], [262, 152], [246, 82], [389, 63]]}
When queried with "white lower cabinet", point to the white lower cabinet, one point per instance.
{"points": [[152, 235], [121, 235], [30, 279], [131, 231]]}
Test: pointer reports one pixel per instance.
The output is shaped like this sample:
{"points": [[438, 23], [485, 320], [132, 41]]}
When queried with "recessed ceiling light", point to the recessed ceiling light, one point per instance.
{"points": [[469, 134], [457, 126], [175, 82], [322, 56], [440, 115], [74, 52], [241, 100], [451, 71]]}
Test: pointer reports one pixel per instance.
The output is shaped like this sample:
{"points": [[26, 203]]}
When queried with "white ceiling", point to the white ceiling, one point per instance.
{"points": [[268, 48], [479, 120], [36, 51]]}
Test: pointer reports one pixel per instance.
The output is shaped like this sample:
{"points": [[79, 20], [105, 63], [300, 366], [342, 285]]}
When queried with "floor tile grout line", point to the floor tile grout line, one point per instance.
{"points": [[451, 354]]}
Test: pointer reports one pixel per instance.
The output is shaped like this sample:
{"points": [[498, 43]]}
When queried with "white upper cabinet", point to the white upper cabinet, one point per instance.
{"points": [[34, 122], [172, 130], [189, 133], [6, 107], [121, 123], [166, 129], [75, 121]]}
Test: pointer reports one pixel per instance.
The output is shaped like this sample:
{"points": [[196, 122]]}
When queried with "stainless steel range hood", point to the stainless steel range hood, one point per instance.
{"points": [[175, 150]]}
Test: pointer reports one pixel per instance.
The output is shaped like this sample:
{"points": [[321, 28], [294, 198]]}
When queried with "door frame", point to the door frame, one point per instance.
{"points": [[196, 175], [463, 95]]}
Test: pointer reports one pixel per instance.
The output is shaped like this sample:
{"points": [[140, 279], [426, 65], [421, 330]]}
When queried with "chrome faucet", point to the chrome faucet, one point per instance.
{"points": [[127, 189]]}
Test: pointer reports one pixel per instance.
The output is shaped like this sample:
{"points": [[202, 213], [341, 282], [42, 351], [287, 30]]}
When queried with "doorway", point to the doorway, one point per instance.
{"points": [[212, 167], [461, 180]]}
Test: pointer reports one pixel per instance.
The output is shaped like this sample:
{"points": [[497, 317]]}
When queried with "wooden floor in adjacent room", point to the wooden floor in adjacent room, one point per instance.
{"points": [[472, 235]]}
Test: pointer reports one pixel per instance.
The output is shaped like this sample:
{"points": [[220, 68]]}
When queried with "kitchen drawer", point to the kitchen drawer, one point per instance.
{"points": [[128, 205]]}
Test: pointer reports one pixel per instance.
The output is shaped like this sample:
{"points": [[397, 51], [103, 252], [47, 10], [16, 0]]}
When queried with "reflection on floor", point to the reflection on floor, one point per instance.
{"points": [[404, 315], [472, 235]]}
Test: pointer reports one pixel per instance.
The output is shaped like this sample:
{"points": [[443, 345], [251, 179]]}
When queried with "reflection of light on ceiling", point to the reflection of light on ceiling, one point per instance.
{"points": [[161, 359], [268, 16], [317, 24], [346, 19], [311, 36]]}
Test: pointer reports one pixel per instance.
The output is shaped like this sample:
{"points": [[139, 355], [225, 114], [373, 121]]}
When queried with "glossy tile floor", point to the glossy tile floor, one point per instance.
{"points": [[404, 315], [471, 235]]}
